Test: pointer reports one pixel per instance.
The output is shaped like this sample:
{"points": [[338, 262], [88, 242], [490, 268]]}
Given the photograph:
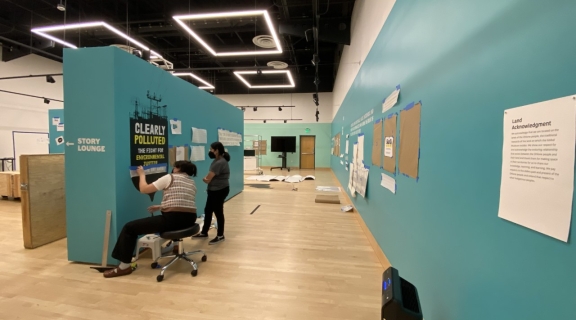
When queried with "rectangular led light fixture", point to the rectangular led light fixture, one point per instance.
{"points": [[206, 84], [43, 32], [287, 72], [181, 18]]}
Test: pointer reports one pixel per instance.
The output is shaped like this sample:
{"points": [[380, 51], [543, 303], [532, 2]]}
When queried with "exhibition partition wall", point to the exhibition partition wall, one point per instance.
{"points": [[122, 112], [460, 65], [56, 130]]}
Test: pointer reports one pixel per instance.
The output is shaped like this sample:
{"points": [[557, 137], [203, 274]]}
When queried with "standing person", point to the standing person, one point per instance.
{"points": [[178, 209], [218, 189]]}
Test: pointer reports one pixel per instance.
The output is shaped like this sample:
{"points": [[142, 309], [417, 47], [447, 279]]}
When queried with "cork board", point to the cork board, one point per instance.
{"points": [[260, 147], [377, 144], [337, 145], [409, 150], [390, 142]]}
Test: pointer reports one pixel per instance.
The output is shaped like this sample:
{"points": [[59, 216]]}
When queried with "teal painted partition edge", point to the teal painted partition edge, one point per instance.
{"points": [[90, 176], [320, 130], [98, 106], [53, 132], [467, 61]]}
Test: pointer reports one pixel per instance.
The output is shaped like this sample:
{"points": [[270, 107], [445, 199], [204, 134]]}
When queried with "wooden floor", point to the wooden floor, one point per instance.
{"points": [[291, 259]]}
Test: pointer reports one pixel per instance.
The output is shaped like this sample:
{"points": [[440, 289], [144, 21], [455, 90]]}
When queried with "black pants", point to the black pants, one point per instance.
{"points": [[215, 203], [168, 221]]}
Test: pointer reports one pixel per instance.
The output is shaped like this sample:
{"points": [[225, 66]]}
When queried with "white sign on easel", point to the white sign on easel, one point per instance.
{"points": [[538, 166]]}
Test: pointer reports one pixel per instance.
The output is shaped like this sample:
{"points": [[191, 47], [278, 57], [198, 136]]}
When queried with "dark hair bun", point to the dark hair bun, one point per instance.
{"points": [[226, 156], [187, 167]]}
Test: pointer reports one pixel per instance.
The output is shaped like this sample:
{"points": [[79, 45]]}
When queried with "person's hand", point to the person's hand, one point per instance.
{"points": [[153, 209], [205, 180], [140, 170]]}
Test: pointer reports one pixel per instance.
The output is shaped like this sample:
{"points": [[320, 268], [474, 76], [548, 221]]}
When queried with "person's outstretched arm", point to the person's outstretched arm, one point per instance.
{"points": [[143, 185]]}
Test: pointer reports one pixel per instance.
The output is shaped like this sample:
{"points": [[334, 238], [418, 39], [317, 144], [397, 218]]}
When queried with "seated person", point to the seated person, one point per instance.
{"points": [[178, 209]]}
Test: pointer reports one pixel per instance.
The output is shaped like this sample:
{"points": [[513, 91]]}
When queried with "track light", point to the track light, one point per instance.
{"points": [[255, 108], [243, 109], [61, 6], [264, 121], [259, 72], [46, 101], [315, 59], [279, 108], [50, 79], [285, 121], [315, 99]]}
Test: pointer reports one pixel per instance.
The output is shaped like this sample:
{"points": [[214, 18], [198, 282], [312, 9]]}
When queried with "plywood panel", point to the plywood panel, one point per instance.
{"points": [[43, 199]]}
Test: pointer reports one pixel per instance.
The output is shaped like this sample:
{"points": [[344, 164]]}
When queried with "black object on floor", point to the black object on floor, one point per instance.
{"points": [[258, 185], [255, 209]]}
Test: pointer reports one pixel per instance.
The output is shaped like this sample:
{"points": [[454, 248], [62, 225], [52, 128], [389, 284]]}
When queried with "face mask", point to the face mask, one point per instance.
{"points": [[211, 155]]}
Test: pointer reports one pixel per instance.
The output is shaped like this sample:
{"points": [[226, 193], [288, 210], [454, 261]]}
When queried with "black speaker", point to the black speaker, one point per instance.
{"points": [[399, 298]]}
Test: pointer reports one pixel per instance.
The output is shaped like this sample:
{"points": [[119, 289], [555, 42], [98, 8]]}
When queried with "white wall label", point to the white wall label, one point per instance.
{"points": [[89, 145], [538, 166]]}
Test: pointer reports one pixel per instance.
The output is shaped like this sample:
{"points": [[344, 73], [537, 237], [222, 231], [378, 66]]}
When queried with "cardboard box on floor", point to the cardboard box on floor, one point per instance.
{"points": [[327, 198]]}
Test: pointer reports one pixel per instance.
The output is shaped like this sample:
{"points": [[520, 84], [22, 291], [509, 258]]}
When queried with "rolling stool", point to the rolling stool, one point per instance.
{"points": [[176, 237]]}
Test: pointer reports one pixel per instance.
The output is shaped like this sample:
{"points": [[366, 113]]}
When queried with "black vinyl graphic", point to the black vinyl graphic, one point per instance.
{"points": [[149, 140]]}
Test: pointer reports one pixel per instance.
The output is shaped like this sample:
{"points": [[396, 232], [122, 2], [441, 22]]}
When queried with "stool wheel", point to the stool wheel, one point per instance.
{"points": [[154, 265], [194, 273], [204, 258], [159, 278]]}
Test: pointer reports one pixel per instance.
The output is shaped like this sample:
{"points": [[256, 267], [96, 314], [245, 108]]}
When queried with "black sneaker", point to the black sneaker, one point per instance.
{"points": [[200, 235], [217, 239]]}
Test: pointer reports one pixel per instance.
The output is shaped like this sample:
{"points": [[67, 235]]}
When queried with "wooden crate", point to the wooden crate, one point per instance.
{"points": [[6, 189], [16, 185]]}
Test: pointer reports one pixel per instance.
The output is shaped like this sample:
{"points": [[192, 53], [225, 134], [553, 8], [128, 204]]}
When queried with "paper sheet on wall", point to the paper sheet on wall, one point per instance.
{"points": [[229, 138], [388, 182], [199, 135], [198, 153], [55, 121], [377, 144], [391, 100], [362, 180], [176, 126], [180, 154], [390, 150], [389, 147], [60, 127], [409, 151], [59, 140], [351, 179], [538, 166], [360, 154], [347, 144]]}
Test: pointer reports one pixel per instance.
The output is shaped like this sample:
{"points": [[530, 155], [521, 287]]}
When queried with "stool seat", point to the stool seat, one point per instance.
{"points": [[183, 233]]}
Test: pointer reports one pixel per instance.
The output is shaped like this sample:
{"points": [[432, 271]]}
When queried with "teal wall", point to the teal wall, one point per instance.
{"points": [[99, 105], [267, 130], [53, 132], [467, 61]]}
